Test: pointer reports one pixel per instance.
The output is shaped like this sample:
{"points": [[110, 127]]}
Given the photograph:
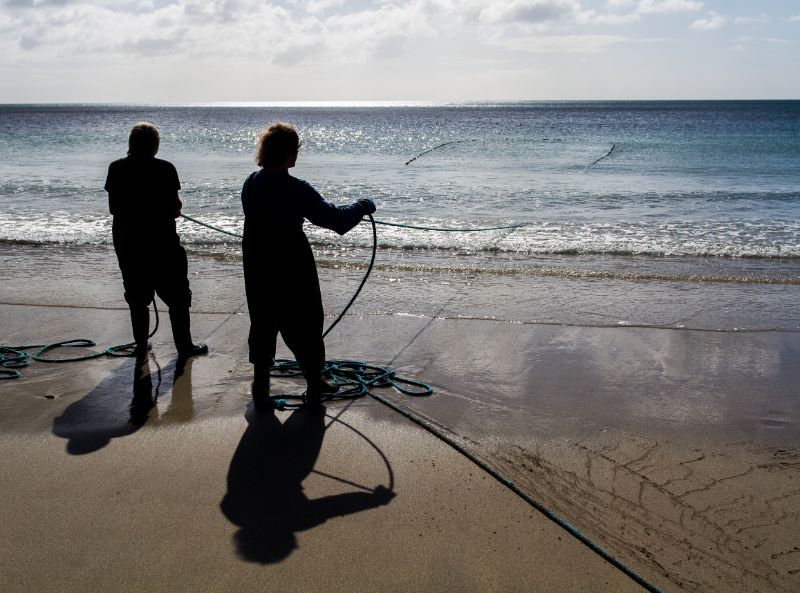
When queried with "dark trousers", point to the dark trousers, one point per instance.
{"points": [[157, 269], [297, 316]]}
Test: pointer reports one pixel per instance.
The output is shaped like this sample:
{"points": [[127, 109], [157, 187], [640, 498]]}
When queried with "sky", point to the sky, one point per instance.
{"points": [[200, 51]]}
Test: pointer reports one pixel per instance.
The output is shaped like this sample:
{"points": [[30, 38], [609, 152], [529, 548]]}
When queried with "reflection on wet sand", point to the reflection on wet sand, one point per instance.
{"points": [[118, 406]]}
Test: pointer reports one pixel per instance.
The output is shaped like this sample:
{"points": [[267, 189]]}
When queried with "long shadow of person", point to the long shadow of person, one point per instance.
{"points": [[105, 413], [265, 495]]}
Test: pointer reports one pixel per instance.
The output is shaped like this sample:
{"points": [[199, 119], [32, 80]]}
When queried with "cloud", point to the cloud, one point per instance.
{"points": [[295, 32], [637, 8], [794, 19], [713, 22], [614, 19], [563, 43], [36, 3], [528, 11], [660, 6], [770, 40], [750, 20]]}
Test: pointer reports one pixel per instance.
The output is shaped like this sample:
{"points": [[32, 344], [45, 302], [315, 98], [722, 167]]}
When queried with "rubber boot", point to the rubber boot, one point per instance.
{"points": [[316, 386], [182, 335], [260, 387], [140, 323]]}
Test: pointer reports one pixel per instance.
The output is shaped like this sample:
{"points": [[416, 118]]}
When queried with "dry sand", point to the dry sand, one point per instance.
{"points": [[675, 451]]}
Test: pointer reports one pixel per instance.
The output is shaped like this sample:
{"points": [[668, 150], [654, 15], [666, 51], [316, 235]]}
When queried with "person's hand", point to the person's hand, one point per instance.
{"points": [[367, 205]]}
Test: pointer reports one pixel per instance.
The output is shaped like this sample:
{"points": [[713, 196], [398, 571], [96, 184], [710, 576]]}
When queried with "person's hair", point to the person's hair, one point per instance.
{"points": [[143, 140], [276, 144]]}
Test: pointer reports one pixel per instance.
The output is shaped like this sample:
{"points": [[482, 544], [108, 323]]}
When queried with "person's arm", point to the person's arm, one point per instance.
{"points": [[336, 218], [177, 205], [109, 187]]}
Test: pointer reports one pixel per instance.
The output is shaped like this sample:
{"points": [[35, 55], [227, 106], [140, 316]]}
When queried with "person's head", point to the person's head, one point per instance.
{"points": [[143, 140], [278, 146]]}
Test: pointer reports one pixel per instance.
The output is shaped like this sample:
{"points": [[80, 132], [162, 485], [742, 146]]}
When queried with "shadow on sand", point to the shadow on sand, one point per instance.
{"points": [[119, 406], [265, 495]]}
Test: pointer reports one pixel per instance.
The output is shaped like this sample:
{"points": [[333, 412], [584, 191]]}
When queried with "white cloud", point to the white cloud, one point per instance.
{"points": [[658, 6], [563, 43], [770, 40], [297, 32], [713, 22], [751, 20], [615, 19], [794, 19], [528, 11], [634, 9], [316, 6]]}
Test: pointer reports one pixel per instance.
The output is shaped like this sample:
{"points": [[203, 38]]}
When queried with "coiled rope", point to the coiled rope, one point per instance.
{"points": [[354, 378], [13, 358]]}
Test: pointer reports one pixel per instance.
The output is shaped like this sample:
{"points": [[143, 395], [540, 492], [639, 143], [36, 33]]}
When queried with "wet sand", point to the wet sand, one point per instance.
{"points": [[676, 451]]}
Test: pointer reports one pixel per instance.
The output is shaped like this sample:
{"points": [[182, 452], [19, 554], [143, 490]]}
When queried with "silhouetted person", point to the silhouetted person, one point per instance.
{"points": [[280, 273], [143, 198]]}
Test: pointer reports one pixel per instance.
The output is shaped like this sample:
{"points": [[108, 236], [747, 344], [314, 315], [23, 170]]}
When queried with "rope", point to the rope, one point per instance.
{"points": [[385, 223], [516, 489], [13, 358], [613, 146], [363, 280], [436, 147], [219, 230], [354, 378], [451, 229]]}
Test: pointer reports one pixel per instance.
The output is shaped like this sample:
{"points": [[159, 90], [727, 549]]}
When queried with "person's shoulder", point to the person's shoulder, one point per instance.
{"points": [[252, 178], [118, 164], [300, 185], [164, 164]]}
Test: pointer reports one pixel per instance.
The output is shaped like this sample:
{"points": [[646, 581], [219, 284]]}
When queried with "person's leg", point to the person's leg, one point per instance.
{"points": [[140, 323], [306, 344], [262, 342], [139, 293], [263, 331], [302, 331], [173, 288]]}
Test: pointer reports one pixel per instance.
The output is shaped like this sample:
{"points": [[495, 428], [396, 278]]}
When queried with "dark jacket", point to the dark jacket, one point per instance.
{"points": [[275, 207]]}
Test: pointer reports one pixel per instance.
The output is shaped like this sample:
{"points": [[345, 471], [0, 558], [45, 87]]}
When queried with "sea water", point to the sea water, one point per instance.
{"points": [[701, 199]]}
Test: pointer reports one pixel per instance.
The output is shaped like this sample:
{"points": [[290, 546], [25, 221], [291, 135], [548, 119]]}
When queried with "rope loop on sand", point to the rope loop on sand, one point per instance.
{"points": [[17, 357]]}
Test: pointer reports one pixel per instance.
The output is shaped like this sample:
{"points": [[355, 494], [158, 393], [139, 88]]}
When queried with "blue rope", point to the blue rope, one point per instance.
{"points": [[386, 223], [451, 229], [13, 358]]}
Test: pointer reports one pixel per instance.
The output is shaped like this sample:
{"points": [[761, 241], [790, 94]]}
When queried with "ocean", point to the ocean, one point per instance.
{"points": [[701, 193]]}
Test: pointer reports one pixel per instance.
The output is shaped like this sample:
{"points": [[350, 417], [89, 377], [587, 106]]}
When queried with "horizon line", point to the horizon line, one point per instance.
{"points": [[371, 103]]}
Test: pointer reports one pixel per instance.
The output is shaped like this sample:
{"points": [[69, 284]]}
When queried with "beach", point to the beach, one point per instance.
{"points": [[673, 450]]}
